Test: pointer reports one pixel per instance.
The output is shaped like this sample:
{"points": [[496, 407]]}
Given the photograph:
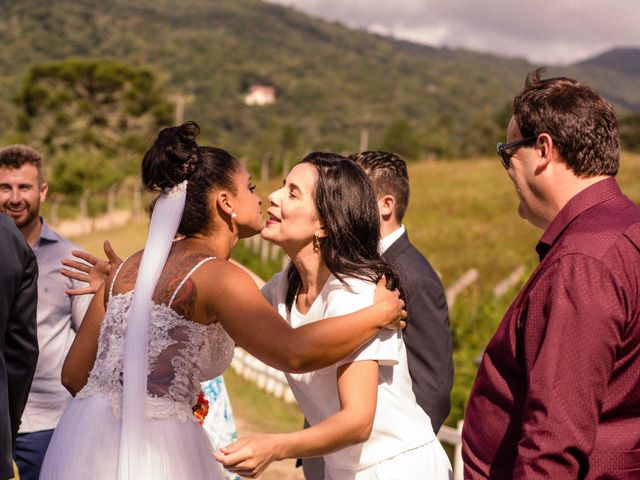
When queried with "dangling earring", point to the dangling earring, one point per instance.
{"points": [[234, 215], [316, 242]]}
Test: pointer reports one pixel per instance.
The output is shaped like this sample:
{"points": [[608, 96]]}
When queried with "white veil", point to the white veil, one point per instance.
{"points": [[134, 457]]}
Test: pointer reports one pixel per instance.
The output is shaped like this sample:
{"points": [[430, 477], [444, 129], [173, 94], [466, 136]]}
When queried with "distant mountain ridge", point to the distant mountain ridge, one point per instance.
{"points": [[331, 82], [621, 60]]}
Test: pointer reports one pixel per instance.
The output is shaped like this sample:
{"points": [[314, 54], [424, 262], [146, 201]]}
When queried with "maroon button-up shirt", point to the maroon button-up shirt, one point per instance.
{"points": [[557, 395]]}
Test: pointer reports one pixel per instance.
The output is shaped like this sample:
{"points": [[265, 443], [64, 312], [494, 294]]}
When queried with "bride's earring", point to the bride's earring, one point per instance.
{"points": [[234, 215]]}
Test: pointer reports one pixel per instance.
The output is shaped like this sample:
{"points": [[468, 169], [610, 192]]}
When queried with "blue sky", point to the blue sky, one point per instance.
{"points": [[543, 31]]}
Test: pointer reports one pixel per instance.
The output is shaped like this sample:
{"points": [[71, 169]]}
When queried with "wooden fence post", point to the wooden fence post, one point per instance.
{"points": [[137, 201], [285, 165], [458, 465], [264, 251], [504, 285], [461, 284], [84, 204], [55, 209], [364, 139], [274, 251], [111, 197], [265, 165]]}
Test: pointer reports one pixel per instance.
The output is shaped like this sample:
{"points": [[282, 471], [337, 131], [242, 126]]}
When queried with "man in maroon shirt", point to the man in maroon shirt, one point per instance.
{"points": [[557, 394]]}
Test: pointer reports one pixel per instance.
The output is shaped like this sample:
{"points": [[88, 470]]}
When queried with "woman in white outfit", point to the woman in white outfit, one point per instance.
{"points": [[173, 314], [363, 414]]}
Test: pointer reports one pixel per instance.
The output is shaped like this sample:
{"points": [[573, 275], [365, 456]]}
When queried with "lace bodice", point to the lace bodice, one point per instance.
{"points": [[182, 353]]}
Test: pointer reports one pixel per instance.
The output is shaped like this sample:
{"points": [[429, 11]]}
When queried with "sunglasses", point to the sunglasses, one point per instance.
{"points": [[504, 149]]}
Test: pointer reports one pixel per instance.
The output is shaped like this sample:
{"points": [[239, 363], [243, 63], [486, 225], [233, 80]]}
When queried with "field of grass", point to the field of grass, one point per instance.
{"points": [[250, 403], [462, 214]]}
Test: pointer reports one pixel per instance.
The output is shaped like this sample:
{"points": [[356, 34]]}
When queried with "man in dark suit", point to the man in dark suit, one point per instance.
{"points": [[557, 393], [18, 339], [427, 336]]}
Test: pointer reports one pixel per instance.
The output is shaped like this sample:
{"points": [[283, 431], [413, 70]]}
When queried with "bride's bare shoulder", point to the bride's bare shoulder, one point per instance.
{"points": [[225, 268], [225, 277], [126, 273]]}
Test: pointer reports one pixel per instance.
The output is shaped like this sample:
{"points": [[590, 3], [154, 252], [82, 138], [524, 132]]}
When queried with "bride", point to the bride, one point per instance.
{"points": [[173, 314]]}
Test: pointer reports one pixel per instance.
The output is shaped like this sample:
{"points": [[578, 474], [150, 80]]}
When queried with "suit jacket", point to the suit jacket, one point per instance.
{"points": [[18, 339], [427, 336]]}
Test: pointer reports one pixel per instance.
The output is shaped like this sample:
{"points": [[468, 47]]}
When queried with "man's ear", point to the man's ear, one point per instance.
{"points": [[545, 147], [44, 188], [387, 206]]}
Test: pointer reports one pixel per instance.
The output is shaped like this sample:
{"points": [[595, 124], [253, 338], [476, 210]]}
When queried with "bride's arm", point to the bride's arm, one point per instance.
{"points": [[83, 351], [258, 328]]}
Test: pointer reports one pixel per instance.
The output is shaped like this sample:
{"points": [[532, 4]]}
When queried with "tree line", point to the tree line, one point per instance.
{"points": [[94, 117]]}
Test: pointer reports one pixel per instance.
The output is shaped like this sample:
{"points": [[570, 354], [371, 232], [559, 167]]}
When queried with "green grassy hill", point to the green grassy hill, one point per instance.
{"points": [[331, 82]]}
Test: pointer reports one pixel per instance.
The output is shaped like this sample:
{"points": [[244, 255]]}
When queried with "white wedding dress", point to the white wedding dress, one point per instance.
{"points": [[182, 353]]}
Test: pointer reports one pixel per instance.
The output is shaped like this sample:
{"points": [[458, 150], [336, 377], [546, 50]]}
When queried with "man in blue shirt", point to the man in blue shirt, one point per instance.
{"points": [[22, 190]]}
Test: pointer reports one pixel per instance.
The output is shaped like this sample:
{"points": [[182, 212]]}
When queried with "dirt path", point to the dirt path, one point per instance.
{"points": [[284, 470]]}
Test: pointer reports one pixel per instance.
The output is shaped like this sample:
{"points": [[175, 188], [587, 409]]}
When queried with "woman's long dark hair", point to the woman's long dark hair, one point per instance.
{"points": [[174, 157], [348, 210]]}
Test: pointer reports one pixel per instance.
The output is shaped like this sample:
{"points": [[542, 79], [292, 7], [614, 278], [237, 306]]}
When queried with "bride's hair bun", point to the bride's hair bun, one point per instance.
{"points": [[172, 158]]}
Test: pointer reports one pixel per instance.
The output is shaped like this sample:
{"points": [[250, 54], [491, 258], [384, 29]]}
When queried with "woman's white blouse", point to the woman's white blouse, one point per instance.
{"points": [[399, 424]]}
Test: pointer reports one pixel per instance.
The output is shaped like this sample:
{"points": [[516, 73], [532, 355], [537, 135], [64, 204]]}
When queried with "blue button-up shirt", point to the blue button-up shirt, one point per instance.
{"points": [[59, 316]]}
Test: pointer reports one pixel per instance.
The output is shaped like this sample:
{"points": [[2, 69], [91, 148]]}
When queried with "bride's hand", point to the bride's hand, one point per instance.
{"points": [[94, 272], [392, 306], [248, 456]]}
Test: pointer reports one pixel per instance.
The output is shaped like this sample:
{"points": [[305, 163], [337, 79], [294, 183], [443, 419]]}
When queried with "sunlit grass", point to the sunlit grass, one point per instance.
{"points": [[125, 240], [262, 411], [463, 214]]}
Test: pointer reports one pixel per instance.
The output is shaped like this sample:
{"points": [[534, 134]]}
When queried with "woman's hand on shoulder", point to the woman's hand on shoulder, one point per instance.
{"points": [[392, 307]]}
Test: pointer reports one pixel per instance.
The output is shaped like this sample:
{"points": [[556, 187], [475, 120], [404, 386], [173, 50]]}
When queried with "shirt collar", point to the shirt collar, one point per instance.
{"points": [[587, 198], [46, 235], [387, 241]]}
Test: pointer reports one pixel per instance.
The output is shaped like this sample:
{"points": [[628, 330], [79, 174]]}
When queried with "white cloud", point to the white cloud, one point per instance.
{"points": [[546, 31]]}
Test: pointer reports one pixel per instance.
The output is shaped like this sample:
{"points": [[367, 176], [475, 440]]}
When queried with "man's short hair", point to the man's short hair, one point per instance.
{"points": [[16, 156], [388, 174], [581, 123]]}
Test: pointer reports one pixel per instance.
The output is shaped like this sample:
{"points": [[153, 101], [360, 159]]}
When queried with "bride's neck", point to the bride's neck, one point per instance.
{"points": [[220, 246]]}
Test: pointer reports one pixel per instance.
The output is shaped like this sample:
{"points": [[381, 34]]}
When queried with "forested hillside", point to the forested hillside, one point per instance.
{"points": [[330, 82]]}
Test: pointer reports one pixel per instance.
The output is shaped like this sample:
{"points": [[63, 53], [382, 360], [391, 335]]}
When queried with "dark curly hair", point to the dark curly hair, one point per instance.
{"points": [[174, 157], [582, 124], [16, 156]]}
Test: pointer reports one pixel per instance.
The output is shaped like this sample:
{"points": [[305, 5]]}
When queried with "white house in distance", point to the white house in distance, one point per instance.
{"points": [[260, 95]]}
